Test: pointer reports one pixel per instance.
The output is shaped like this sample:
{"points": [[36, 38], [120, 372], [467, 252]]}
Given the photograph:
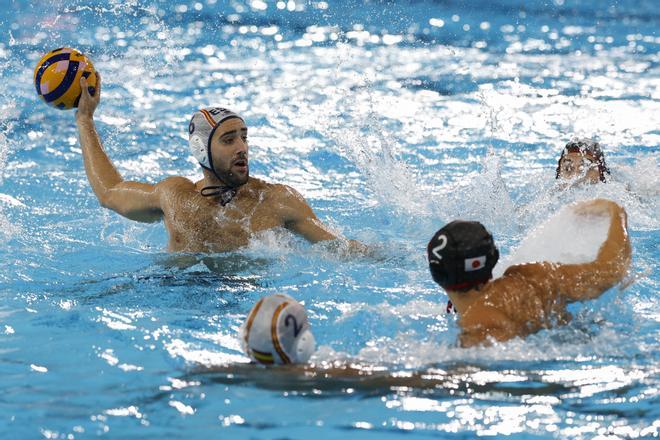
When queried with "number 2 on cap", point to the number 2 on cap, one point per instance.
{"points": [[296, 327], [436, 250]]}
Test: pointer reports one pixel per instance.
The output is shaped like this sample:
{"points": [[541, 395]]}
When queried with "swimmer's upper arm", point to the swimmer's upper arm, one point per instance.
{"points": [[142, 202], [134, 200], [298, 216], [577, 282]]}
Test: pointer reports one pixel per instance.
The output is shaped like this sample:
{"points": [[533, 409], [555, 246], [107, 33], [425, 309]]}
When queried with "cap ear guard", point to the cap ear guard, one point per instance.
{"points": [[199, 150]]}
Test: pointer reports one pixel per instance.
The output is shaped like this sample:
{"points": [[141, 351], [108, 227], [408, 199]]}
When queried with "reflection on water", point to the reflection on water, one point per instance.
{"points": [[223, 265], [391, 120], [330, 378], [459, 395]]}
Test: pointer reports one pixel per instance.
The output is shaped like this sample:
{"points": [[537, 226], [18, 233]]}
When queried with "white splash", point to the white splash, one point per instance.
{"points": [[565, 238]]}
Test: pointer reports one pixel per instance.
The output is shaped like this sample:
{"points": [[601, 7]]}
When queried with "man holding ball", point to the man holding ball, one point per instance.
{"points": [[218, 213]]}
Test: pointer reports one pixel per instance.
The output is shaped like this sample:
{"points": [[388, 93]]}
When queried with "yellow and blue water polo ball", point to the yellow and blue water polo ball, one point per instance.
{"points": [[57, 77]]}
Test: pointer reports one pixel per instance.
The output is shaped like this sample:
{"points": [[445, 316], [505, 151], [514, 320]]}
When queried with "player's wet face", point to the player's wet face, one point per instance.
{"points": [[576, 165], [229, 150]]}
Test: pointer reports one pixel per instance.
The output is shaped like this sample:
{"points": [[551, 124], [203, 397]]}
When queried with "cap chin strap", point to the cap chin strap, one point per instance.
{"points": [[212, 169], [226, 193]]}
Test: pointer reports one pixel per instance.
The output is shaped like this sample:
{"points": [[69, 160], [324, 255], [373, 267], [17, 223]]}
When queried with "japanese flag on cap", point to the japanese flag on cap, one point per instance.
{"points": [[476, 263]]}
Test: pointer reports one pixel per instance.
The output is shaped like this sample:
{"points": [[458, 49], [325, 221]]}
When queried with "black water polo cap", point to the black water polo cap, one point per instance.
{"points": [[462, 255]]}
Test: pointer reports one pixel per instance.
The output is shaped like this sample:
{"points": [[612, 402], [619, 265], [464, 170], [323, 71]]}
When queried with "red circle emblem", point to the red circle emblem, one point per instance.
{"points": [[475, 264]]}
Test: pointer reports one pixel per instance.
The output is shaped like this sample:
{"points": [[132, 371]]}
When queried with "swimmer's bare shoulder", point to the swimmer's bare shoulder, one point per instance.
{"points": [[170, 190], [483, 321], [490, 316], [295, 213], [266, 192], [175, 183], [512, 305], [285, 200], [539, 275]]}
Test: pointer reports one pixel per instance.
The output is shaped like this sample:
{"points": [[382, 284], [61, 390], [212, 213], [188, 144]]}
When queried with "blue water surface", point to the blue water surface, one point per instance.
{"points": [[391, 118]]}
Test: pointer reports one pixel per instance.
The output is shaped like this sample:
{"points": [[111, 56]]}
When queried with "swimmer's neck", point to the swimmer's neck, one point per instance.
{"points": [[210, 180], [463, 300]]}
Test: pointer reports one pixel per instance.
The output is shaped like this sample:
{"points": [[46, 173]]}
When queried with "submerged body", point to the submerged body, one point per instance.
{"points": [[531, 297], [199, 224], [527, 297]]}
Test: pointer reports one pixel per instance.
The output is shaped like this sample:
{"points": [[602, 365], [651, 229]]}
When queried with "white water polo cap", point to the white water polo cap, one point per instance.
{"points": [[277, 331], [203, 124]]}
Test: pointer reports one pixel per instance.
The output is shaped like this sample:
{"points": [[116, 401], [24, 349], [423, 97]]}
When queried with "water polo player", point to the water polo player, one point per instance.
{"points": [[528, 297], [276, 331], [218, 213], [582, 161]]}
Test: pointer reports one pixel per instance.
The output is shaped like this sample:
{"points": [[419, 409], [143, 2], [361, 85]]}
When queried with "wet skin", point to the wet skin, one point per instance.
{"points": [[579, 167], [531, 297], [196, 223]]}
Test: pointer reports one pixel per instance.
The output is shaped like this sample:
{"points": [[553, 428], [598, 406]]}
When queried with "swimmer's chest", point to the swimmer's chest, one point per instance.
{"points": [[207, 220]]}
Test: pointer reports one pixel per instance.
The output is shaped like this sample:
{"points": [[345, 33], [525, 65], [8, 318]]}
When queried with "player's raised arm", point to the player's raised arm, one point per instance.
{"points": [[578, 282], [134, 200]]}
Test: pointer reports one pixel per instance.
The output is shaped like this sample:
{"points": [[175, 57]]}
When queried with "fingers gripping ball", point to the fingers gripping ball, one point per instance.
{"points": [[57, 77], [276, 331]]}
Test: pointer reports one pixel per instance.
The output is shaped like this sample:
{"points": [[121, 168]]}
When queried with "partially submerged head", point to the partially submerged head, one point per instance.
{"points": [[218, 140], [582, 159], [276, 331], [462, 255]]}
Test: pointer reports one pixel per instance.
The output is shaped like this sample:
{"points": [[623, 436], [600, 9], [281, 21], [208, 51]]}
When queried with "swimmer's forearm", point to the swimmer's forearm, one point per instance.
{"points": [[102, 174], [580, 282], [617, 246], [615, 254]]}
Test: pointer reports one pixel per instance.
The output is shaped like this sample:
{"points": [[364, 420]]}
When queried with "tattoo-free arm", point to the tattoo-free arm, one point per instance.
{"points": [[299, 218], [578, 282], [134, 200]]}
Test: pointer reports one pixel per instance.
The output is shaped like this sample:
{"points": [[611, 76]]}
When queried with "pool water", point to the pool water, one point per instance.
{"points": [[391, 118]]}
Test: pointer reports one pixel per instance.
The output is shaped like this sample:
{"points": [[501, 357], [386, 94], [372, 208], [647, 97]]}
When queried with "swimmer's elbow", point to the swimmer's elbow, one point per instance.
{"points": [[615, 267]]}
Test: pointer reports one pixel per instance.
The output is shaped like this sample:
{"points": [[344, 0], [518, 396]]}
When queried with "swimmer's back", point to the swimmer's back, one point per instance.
{"points": [[522, 301]]}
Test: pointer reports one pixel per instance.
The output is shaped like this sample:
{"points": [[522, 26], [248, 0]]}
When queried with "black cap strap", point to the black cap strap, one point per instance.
{"points": [[226, 193]]}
